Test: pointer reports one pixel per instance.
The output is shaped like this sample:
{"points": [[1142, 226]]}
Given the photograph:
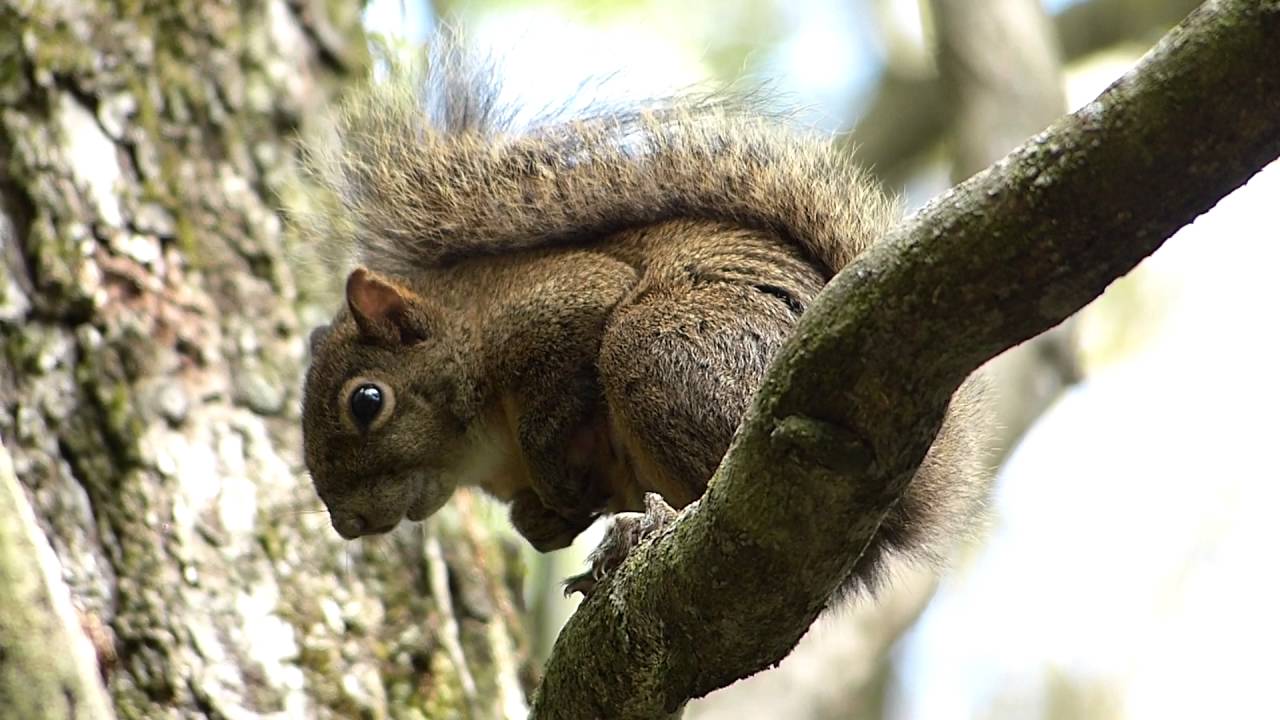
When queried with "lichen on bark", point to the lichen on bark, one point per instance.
{"points": [[151, 316]]}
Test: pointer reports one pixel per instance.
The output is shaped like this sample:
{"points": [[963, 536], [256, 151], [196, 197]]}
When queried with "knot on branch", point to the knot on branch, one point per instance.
{"points": [[821, 443]]}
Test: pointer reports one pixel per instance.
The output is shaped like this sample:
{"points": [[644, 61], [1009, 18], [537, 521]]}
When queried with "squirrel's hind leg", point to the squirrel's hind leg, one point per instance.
{"points": [[679, 363]]}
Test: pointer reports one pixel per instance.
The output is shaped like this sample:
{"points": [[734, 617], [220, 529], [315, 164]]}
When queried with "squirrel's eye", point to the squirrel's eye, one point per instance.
{"points": [[369, 403], [366, 403]]}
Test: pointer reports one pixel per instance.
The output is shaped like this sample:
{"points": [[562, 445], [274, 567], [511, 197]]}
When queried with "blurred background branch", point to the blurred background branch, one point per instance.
{"points": [[912, 110]]}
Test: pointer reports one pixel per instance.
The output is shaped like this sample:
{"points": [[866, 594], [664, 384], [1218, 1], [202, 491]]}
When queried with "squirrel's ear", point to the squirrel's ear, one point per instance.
{"points": [[384, 311]]}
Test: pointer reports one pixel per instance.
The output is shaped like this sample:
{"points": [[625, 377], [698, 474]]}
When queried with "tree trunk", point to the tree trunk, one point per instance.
{"points": [[151, 312], [999, 64]]}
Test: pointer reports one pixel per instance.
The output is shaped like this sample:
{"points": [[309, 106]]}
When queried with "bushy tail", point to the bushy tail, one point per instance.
{"points": [[427, 166]]}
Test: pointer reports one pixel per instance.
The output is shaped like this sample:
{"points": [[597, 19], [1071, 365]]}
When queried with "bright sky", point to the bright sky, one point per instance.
{"points": [[1136, 531]]}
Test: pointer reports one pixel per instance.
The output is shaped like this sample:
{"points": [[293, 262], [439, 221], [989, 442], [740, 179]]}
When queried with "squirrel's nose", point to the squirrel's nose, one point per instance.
{"points": [[351, 525], [348, 524]]}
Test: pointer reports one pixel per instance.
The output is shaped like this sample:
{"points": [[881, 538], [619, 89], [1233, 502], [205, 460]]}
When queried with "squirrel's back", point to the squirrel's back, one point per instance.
{"points": [[428, 167]]}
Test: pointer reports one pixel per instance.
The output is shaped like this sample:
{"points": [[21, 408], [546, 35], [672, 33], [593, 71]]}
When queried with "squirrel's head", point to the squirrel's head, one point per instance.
{"points": [[385, 407]]}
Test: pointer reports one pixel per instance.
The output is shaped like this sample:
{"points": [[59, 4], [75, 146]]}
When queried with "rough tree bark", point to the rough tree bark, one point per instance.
{"points": [[150, 325], [843, 420]]}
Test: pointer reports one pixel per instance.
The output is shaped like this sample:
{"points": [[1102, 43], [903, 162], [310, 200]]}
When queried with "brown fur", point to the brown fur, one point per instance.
{"points": [[576, 314]]}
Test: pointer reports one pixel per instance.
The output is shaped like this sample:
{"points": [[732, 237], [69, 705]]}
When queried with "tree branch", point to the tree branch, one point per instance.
{"points": [[852, 403]]}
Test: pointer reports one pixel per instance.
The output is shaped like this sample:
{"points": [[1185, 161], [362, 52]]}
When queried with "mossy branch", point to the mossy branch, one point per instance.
{"points": [[735, 583]]}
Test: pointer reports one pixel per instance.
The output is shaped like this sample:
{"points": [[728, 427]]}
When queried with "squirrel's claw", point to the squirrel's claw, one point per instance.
{"points": [[626, 531]]}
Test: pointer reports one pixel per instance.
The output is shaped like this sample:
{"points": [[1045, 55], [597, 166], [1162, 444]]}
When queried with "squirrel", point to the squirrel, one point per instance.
{"points": [[573, 313]]}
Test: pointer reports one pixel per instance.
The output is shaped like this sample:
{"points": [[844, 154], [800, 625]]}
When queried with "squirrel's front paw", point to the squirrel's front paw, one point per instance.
{"points": [[626, 531], [544, 528]]}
